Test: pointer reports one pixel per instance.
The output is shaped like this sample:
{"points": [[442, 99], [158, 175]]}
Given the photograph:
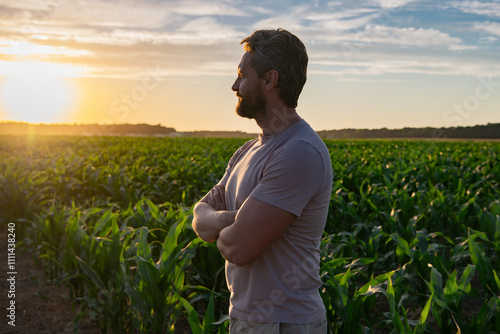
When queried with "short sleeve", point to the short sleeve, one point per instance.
{"points": [[291, 177], [234, 160]]}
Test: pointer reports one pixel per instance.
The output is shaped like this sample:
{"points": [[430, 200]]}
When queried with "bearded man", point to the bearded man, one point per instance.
{"points": [[268, 212]]}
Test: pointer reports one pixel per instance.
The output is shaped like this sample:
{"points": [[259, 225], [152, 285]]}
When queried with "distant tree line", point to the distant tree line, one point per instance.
{"points": [[489, 131], [17, 128], [219, 134]]}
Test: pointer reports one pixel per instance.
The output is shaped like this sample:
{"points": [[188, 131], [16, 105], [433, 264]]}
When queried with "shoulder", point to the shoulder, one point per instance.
{"points": [[241, 151], [304, 155], [305, 143]]}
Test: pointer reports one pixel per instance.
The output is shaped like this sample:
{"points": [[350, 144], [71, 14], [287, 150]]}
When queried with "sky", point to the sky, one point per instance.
{"points": [[372, 63]]}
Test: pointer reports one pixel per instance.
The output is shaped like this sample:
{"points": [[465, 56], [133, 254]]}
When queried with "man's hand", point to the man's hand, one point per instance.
{"points": [[211, 215], [216, 197]]}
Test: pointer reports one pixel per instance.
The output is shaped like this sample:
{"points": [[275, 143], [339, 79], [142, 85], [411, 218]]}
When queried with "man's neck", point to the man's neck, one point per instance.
{"points": [[277, 120]]}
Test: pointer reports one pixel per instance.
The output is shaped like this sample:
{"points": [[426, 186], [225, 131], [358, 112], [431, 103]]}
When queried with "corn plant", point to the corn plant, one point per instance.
{"points": [[400, 320], [100, 276], [208, 324], [157, 284], [96, 213]]}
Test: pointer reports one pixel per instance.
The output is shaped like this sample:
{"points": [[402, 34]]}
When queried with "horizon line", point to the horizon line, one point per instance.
{"points": [[205, 130]]}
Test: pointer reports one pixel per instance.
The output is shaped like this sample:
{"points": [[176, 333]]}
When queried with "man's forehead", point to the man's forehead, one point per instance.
{"points": [[245, 61]]}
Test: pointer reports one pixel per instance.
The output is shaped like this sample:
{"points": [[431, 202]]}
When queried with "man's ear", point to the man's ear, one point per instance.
{"points": [[271, 78]]}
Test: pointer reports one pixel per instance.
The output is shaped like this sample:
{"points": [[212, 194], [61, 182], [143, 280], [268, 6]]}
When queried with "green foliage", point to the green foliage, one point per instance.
{"points": [[411, 244]]}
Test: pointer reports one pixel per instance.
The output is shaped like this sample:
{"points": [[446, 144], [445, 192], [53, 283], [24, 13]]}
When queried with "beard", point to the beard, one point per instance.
{"points": [[252, 107]]}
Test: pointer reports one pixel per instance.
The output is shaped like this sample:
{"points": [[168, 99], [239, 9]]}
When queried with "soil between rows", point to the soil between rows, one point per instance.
{"points": [[41, 306]]}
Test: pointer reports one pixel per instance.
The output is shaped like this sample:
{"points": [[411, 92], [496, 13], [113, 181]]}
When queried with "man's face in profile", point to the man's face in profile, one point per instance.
{"points": [[248, 88]]}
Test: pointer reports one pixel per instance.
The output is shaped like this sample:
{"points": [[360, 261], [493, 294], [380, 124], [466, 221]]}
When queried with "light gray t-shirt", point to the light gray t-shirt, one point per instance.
{"points": [[292, 171]]}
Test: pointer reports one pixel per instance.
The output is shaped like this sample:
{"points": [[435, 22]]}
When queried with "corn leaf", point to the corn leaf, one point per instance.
{"points": [[90, 273]]}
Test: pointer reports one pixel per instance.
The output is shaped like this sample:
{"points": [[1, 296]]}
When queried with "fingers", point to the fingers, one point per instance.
{"points": [[210, 198], [217, 197], [222, 197]]}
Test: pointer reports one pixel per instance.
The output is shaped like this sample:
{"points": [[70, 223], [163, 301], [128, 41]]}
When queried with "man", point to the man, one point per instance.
{"points": [[268, 212]]}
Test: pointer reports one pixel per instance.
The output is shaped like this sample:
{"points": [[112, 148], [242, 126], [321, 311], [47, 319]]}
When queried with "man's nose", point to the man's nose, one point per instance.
{"points": [[235, 86]]}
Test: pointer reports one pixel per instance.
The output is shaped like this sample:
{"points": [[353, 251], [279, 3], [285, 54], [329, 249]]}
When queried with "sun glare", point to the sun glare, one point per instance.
{"points": [[37, 93]]}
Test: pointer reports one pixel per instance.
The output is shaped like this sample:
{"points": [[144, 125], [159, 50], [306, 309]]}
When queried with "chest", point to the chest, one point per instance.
{"points": [[245, 176]]}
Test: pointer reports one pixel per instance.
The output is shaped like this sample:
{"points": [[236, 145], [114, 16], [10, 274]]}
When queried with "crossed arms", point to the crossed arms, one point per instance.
{"points": [[241, 235]]}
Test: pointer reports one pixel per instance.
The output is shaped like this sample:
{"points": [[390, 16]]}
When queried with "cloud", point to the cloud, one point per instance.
{"points": [[412, 37], [9, 12], [202, 8], [377, 62], [120, 38], [491, 9], [118, 14], [322, 25], [115, 14], [492, 28], [27, 6], [205, 30], [389, 4], [33, 50], [114, 40], [123, 22], [200, 31], [337, 14], [358, 26]]}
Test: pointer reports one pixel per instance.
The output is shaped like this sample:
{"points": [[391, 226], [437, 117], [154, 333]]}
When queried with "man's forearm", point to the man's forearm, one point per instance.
{"points": [[208, 222]]}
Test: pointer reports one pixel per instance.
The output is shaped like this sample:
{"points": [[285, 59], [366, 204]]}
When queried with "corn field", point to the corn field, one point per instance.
{"points": [[411, 244]]}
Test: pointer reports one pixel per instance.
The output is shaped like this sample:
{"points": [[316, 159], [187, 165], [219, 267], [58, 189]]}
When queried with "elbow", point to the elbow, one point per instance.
{"points": [[241, 261], [233, 254]]}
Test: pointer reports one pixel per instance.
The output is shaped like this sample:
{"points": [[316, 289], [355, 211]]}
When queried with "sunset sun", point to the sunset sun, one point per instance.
{"points": [[37, 93]]}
